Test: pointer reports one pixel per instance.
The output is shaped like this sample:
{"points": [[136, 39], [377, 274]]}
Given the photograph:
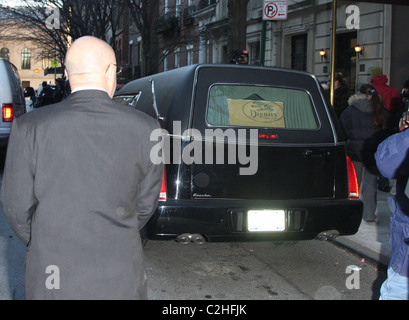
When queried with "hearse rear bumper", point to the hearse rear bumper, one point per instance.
{"points": [[226, 220]]}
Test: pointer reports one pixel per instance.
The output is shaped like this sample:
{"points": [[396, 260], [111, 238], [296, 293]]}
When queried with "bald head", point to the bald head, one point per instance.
{"points": [[91, 62]]}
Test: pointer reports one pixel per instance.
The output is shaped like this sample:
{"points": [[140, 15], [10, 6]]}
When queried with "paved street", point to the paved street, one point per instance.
{"points": [[257, 271], [236, 271], [231, 271]]}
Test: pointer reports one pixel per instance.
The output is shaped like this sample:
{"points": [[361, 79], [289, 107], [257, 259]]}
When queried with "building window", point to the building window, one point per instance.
{"points": [[208, 51], [255, 53], [165, 64], [189, 51], [5, 54], [25, 84], [26, 59], [177, 8], [47, 59], [205, 3], [225, 55], [166, 6]]}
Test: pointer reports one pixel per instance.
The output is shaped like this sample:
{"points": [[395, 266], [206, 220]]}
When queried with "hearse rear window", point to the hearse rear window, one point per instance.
{"points": [[255, 106]]}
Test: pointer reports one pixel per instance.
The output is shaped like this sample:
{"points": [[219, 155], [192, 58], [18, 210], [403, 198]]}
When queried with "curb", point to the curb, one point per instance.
{"points": [[370, 255]]}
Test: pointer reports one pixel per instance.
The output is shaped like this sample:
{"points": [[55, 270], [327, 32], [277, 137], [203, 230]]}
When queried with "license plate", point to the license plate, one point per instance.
{"points": [[266, 220]]}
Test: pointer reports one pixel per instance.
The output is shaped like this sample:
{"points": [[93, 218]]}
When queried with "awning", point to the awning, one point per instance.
{"points": [[53, 70]]}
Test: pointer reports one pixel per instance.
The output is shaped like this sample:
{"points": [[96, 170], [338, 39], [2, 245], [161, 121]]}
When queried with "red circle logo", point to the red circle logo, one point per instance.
{"points": [[270, 10]]}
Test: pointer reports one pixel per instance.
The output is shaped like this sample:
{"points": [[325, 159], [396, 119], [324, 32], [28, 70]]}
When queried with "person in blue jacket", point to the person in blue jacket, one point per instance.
{"points": [[392, 158]]}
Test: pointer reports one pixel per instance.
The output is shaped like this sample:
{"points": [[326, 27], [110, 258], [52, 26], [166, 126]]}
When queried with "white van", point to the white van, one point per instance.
{"points": [[12, 99]]}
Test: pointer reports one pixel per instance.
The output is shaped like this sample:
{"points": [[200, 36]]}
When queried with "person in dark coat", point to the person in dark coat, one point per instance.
{"points": [[341, 94], [31, 99], [404, 95], [47, 95], [365, 124], [79, 184]]}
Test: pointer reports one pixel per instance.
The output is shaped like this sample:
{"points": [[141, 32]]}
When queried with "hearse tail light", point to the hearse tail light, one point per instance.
{"points": [[353, 188], [7, 112], [267, 136], [163, 193]]}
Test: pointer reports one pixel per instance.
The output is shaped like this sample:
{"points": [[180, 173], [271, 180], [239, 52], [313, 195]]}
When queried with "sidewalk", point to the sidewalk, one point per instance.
{"points": [[372, 240]]}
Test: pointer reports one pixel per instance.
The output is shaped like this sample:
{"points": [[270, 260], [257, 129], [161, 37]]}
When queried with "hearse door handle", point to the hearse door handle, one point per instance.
{"points": [[308, 153]]}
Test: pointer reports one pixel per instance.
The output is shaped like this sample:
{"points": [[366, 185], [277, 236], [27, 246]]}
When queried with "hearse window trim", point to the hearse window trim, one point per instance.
{"points": [[313, 109]]}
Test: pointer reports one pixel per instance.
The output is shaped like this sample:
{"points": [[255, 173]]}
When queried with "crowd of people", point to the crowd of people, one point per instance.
{"points": [[374, 124], [368, 117], [47, 94]]}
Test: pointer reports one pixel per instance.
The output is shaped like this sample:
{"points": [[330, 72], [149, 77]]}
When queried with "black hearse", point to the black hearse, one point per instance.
{"points": [[250, 154]]}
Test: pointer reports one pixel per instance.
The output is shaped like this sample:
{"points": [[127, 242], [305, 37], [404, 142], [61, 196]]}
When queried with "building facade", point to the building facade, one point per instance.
{"points": [[295, 42], [32, 63]]}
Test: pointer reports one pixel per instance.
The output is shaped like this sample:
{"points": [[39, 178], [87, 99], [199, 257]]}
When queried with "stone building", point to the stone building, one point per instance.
{"points": [[32, 62], [297, 41]]}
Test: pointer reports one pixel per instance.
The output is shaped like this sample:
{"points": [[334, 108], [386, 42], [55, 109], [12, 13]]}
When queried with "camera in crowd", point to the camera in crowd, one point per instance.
{"points": [[240, 57]]}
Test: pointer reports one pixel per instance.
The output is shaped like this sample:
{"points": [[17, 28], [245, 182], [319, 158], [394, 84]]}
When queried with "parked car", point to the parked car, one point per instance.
{"points": [[250, 154], [12, 99]]}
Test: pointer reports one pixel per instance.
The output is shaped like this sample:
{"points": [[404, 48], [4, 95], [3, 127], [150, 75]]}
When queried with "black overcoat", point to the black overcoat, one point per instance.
{"points": [[362, 136]]}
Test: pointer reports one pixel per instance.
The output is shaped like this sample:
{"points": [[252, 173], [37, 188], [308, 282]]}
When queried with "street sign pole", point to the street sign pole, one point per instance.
{"points": [[273, 10]]}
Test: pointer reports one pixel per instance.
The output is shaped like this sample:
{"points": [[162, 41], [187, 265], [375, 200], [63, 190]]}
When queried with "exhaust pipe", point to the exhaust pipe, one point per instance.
{"points": [[328, 235], [186, 238], [198, 239], [183, 238]]}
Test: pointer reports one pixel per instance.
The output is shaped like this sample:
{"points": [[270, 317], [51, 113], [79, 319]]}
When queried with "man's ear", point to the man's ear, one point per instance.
{"points": [[111, 80], [111, 74]]}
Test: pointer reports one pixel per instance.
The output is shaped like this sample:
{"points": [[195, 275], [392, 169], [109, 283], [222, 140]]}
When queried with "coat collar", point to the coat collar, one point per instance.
{"points": [[87, 94], [362, 102]]}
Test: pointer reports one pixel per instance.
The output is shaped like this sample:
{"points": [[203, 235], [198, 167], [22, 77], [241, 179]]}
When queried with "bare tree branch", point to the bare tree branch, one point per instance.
{"points": [[77, 18]]}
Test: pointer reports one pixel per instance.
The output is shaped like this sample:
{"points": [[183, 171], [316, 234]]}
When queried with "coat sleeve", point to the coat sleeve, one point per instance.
{"points": [[149, 189], [392, 156], [345, 120], [396, 101], [17, 190]]}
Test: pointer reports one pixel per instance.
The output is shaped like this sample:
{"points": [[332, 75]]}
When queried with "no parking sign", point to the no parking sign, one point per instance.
{"points": [[275, 10]]}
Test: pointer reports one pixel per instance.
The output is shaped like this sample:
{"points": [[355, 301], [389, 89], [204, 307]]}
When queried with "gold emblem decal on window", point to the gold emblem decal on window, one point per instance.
{"points": [[256, 113]]}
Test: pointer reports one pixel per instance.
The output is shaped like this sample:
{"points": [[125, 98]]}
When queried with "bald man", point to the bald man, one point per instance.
{"points": [[78, 186]]}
